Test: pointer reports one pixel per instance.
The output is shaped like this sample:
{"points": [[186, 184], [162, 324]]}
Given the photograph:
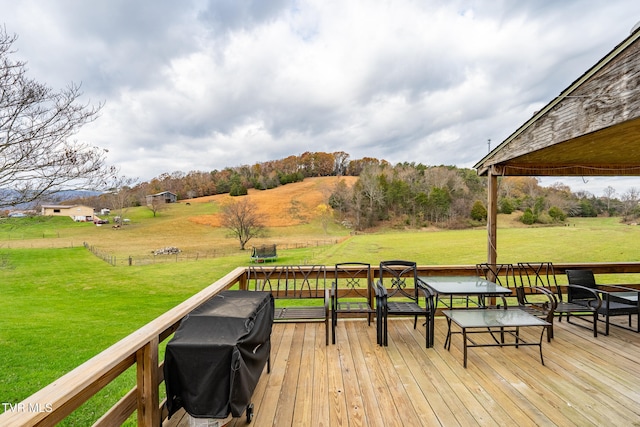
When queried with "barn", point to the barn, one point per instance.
{"points": [[165, 196]]}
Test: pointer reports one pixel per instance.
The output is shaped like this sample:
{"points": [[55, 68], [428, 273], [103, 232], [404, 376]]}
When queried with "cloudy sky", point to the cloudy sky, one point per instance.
{"points": [[201, 85]]}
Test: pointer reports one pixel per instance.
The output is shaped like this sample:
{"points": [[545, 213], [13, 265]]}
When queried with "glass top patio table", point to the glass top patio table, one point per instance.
{"points": [[499, 322], [463, 285], [481, 318], [629, 296]]}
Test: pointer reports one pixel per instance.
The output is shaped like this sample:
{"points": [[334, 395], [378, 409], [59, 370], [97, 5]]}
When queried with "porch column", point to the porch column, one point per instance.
{"points": [[492, 216]]}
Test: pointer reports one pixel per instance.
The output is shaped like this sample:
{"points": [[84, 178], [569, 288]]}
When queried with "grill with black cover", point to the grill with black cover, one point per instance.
{"points": [[216, 357]]}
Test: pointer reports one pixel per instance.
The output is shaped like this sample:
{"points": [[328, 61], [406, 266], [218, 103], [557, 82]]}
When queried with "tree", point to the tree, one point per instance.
{"points": [[36, 156], [609, 192], [237, 187], [630, 200], [506, 205], [156, 204], [325, 213], [528, 217], [121, 195], [478, 211], [557, 214], [242, 219], [438, 204]]}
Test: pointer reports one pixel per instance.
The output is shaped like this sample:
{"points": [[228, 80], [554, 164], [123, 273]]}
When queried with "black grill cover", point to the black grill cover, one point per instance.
{"points": [[216, 357]]}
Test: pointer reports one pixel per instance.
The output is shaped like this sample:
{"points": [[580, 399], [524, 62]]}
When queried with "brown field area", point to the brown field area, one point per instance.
{"points": [[283, 206], [289, 211]]}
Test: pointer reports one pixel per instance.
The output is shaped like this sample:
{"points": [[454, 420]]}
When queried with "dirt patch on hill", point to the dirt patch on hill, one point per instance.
{"points": [[286, 205]]}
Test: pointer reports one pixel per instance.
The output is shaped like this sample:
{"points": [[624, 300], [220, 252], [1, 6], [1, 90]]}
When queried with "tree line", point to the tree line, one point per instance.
{"points": [[402, 195]]}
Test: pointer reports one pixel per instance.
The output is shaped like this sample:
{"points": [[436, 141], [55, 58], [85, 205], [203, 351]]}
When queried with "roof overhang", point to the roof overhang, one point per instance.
{"points": [[612, 151], [591, 129]]}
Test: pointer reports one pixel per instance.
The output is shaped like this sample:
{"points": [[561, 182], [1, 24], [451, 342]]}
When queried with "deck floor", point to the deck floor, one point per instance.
{"points": [[585, 381]]}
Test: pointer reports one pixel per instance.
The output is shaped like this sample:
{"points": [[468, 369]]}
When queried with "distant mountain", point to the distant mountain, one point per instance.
{"points": [[58, 197]]}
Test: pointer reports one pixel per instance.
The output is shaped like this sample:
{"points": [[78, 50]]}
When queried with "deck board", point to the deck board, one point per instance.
{"points": [[585, 380], [361, 404]]}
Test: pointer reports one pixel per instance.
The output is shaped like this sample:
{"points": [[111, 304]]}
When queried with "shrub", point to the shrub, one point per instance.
{"points": [[506, 205], [528, 217], [238, 190], [478, 211], [557, 214], [544, 218]]}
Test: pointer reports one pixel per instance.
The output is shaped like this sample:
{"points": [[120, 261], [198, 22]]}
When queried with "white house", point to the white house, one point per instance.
{"points": [[76, 212]]}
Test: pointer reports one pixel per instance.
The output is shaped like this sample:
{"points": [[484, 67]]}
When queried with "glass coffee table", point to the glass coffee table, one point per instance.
{"points": [[497, 323], [448, 288]]}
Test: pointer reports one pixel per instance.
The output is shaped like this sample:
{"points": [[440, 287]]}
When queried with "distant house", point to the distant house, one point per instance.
{"points": [[79, 213], [165, 196]]}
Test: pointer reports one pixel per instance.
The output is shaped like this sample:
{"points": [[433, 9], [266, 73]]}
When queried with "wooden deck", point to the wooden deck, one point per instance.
{"points": [[586, 381]]}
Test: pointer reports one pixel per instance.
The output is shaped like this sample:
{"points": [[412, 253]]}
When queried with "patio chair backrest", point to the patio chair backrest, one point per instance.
{"points": [[536, 275], [502, 274], [583, 278], [353, 279], [400, 278]]}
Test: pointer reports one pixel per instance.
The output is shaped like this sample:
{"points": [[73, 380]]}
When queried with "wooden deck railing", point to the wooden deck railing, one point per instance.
{"points": [[56, 401]]}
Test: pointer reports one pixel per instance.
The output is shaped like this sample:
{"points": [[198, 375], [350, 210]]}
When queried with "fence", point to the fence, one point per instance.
{"points": [[193, 256]]}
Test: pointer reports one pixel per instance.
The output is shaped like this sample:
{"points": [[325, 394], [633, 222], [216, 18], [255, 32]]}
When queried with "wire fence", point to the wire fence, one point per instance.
{"points": [[179, 256]]}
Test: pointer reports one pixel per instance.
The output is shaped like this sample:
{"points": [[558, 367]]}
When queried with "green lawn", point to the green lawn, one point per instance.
{"points": [[61, 306]]}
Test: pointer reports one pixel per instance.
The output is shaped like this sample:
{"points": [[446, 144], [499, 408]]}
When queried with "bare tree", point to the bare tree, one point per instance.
{"points": [[609, 192], [630, 200], [156, 204], [242, 219], [36, 156], [325, 213], [121, 195]]}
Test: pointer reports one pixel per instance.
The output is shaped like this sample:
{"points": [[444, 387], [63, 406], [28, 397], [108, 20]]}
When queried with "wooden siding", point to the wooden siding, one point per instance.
{"points": [[585, 381], [589, 129]]}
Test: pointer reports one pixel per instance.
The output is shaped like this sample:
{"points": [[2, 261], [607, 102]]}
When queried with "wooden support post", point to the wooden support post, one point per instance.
{"points": [[492, 217], [147, 377]]}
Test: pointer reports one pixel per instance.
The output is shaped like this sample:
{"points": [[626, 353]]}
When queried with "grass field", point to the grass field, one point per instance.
{"points": [[61, 305]]}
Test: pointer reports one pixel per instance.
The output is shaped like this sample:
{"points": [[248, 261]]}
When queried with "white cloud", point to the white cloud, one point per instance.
{"points": [[201, 85]]}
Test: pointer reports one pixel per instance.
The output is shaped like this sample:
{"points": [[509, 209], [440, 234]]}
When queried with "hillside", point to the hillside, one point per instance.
{"points": [[287, 205], [289, 212]]}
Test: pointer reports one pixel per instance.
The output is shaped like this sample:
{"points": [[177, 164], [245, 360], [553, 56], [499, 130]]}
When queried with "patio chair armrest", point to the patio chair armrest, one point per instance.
{"points": [[594, 292], [333, 294], [381, 293], [427, 293], [424, 288], [553, 300], [328, 298]]}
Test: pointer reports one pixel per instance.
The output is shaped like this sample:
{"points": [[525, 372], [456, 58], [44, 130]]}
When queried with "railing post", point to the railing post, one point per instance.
{"points": [[147, 378], [242, 283]]}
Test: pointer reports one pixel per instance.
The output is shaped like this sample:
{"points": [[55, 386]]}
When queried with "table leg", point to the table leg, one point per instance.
{"points": [[540, 344], [447, 341], [464, 341], [433, 328]]}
